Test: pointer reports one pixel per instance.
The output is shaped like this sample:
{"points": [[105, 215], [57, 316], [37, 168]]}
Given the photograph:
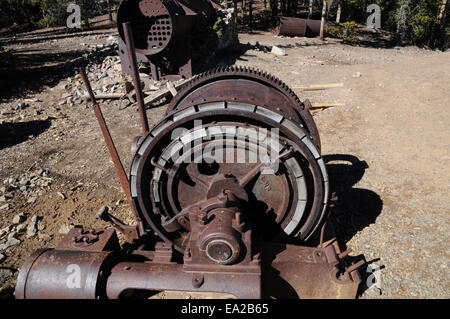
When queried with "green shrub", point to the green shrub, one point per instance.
{"points": [[345, 31]]}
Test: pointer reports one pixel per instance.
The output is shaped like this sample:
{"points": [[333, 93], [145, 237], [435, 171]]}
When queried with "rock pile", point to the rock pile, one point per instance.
{"points": [[21, 227], [30, 185], [105, 77]]}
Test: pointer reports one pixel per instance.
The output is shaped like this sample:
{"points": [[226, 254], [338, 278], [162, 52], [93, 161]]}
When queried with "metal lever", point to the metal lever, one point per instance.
{"points": [[130, 232]]}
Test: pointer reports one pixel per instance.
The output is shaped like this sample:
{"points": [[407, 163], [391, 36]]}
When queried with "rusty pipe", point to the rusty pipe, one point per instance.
{"points": [[56, 274], [80, 274], [297, 27], [171, 276]]}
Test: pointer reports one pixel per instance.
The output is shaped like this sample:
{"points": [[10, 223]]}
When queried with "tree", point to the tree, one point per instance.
{"points": [[108, 2], [311, 2], [323, 20], [339, 10], [441, 12]]}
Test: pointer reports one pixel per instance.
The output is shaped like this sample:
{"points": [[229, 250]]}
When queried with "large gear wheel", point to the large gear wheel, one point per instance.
{"points": [[241, 112]]}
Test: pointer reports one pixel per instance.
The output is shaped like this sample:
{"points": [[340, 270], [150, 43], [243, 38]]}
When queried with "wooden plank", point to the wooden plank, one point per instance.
{"points": [[154, 97], [110, 96], [163, 93], [315, 87]]}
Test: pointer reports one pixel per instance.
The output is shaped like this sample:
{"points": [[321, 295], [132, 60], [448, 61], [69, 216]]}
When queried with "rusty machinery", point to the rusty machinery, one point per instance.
{"points": [[297, 27], [207, 225], [162, 33]]}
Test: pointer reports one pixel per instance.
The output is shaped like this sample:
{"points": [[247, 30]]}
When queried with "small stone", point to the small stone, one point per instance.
{"points": [[10, 242], [2, 258], [21, 228], [32, 229], [44, 236], [7, 228], [65, 228], [62, 195], [357, 75], [278, 51], [19, 218], [2, 199], [20, 106], [32, 200], [9, 195], [12, 235], [41, 226], [13, 179], [374, 291], [6, 206], [5, 274]]}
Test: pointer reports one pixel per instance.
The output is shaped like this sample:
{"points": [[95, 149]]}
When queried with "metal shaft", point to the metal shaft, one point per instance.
{"points": [[108, 139], [135, 75]]}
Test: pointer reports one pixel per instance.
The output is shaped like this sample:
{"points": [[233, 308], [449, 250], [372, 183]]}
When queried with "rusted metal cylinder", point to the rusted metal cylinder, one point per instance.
{"points": [[297, 27], [156, 23], [290, 27], [148, 18], [61, 274], [171, 276]]}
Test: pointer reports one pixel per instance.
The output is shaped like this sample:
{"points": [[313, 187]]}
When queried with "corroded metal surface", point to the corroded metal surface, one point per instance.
{"points": [[230, 175], [161, 33], [297, 27]]}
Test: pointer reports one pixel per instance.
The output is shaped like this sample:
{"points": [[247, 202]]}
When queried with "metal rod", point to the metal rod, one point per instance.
{"points": [[355, 266], [135, 75], [109, 142]]}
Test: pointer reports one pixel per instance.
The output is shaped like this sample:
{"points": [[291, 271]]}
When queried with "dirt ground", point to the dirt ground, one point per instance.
{"points": [[386, 148]]}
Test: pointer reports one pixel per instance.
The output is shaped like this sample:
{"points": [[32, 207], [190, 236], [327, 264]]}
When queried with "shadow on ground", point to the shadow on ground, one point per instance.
{"points": [[33, 70], [354, 209], [16, 133]]}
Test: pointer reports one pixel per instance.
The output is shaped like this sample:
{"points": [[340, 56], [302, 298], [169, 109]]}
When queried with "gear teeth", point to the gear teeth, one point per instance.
{"points": [[234, 70]]}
